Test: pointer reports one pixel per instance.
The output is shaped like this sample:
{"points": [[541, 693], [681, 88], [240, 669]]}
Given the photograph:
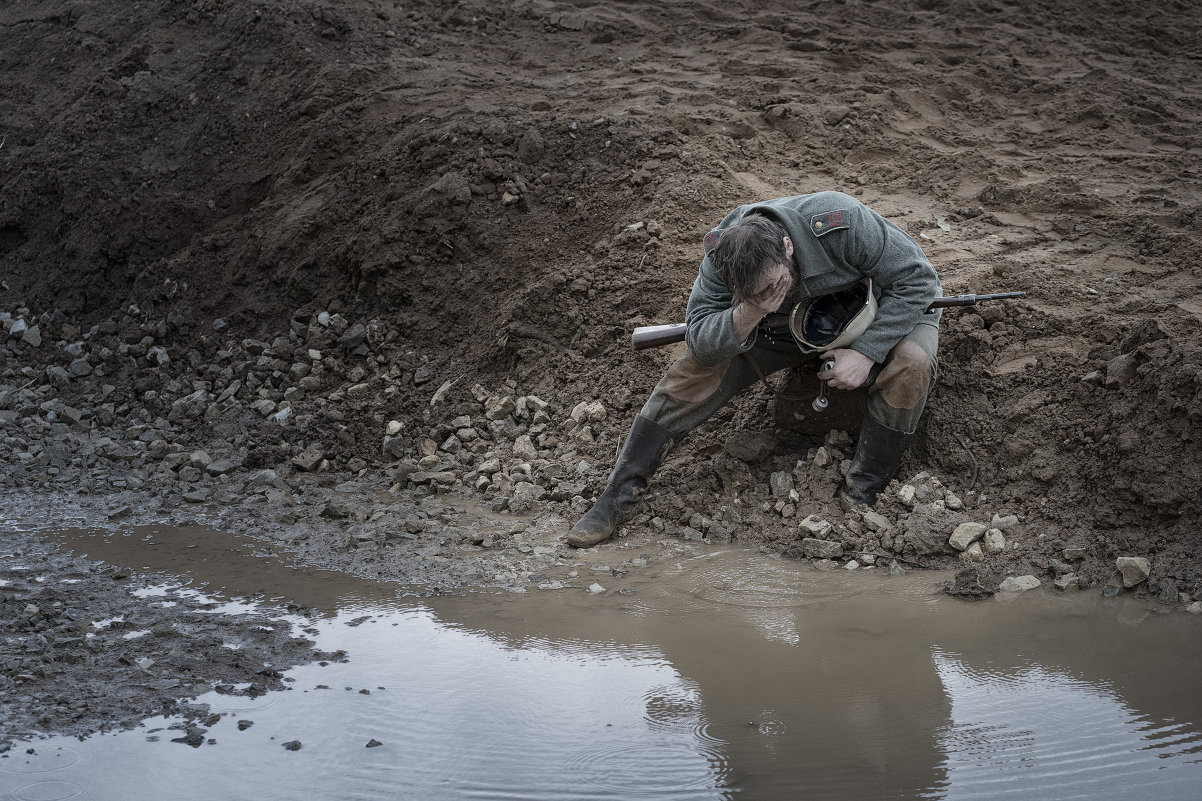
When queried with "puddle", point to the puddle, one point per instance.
{"points": [[729, 675]]}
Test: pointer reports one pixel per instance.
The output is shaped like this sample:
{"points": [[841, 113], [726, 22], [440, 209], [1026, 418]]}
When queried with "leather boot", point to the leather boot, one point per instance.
{"points": [[878, 454], [645, 448]]}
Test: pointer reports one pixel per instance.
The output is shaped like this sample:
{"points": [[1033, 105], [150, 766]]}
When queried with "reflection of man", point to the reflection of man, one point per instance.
{"points": [[759, 262]]}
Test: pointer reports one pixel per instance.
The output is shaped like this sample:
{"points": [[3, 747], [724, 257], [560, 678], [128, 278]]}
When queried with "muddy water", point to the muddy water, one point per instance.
{"points": [[727, 675]]}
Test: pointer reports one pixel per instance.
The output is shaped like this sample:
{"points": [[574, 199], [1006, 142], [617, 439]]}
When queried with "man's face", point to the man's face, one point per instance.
{"points": [[772, 287]]}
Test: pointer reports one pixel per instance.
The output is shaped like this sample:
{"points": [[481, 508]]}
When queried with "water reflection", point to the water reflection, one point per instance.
{"points": [[1072, 738], [730, 675]]}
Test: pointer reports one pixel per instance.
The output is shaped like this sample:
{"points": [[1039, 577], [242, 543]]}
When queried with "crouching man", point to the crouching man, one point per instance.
{"points": [[760, 263]]}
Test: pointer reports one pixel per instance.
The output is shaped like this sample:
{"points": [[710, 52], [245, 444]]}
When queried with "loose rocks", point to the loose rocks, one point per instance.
{"points": [[1019, 584], [965, 535], [1134, 569]]}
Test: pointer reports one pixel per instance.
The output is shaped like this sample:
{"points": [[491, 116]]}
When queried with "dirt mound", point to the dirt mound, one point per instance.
{"points": [[479, 194]]}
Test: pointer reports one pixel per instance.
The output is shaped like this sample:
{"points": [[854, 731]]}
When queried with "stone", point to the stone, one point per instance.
{"points": [[219, 467], [588, 412], [821, 549], [906, 495], [200, 459], [438, 477], [1194, 608], [500, 408], [973, 553], [198, 495], [822, 457], [393, 446], [261, 478], [1019, 583], [353, 337], [965, 535], [80, 368], [1069, 581], [1003, 522], [815, 525], [158, 355], [1073, 554], [523, 448], [852, 564], [1134, 569], [309, 460], [781, 484], [994, 541], [32, 337], [595, 588], [394, 427], [720, 533], [58, 376], [293, 745], [189, 407], [952, 501], [189, 474], [264, 406], [1059, 568], [876, 521], [1120, 370]]}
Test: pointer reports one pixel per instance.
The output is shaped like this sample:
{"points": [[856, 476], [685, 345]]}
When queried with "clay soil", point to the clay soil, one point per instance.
{"points": [[368, 213]]}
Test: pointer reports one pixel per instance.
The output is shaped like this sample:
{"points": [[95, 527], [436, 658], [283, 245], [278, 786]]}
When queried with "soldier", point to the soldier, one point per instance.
{"points": [[760, 262]]}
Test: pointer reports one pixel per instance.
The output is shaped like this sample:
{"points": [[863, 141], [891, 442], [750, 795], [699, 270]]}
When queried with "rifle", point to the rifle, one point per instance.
{"points": [[654, 336]]}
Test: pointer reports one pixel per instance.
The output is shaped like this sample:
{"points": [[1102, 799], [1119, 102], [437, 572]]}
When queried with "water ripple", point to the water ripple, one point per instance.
{"points": [[50, 791], [59, 758], [1071, 738]]}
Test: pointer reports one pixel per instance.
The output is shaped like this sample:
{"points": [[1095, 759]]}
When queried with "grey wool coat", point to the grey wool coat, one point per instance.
{"points": [[837, 242]]}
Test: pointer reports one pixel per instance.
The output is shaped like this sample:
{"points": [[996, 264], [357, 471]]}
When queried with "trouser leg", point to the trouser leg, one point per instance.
{"points": [[689, 393], [896, 400], [898, 389]]}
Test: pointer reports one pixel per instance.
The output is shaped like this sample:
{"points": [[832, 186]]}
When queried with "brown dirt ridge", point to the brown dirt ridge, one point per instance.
{"points": [[359, 278]]}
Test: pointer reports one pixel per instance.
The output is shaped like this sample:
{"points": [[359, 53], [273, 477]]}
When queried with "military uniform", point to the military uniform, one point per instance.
{"points": [[837, 243]]}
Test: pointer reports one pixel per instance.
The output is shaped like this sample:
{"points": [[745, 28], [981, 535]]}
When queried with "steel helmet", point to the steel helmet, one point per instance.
{"points": [[833, 321]]}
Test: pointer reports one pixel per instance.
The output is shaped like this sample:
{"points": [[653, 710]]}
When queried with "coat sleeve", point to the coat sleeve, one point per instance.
{"points": [[906, 278], [710, 332]]}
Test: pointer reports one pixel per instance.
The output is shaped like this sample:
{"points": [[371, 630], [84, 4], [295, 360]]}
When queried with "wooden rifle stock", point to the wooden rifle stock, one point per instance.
{"points": [[654, 336]]}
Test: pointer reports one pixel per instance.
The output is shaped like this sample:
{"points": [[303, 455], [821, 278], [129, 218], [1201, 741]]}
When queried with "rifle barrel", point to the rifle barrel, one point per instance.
{"points": [[654, 336], [972, 300]]}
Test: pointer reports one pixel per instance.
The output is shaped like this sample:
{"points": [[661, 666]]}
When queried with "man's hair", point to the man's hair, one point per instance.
{"points": [[746, 249]]}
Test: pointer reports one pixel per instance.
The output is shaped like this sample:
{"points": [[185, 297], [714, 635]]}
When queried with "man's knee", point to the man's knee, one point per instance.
{"points": [[905, 379], [691, 381]]}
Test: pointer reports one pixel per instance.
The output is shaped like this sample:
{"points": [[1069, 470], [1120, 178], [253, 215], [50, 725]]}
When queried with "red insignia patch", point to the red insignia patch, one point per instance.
{"points": [[710, 241], [827, 221]]}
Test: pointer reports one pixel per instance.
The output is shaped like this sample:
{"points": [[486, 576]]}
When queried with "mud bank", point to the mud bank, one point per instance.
{"points": [[92, 647]]}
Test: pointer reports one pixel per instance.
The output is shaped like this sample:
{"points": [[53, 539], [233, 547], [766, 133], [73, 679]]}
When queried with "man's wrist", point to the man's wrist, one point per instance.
{"points": [[744, 320]]}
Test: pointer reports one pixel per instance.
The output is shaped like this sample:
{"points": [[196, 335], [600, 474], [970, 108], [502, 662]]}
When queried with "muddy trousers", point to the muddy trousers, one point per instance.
{"points": [[690, 392]]}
